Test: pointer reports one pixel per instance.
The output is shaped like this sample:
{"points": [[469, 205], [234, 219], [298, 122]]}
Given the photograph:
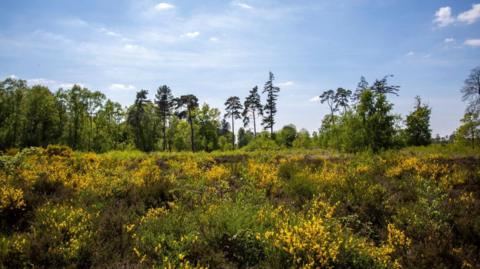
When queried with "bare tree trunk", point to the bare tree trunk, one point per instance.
{"points": [[233, 133], [254, 125], [164, 132], [191, 130]]}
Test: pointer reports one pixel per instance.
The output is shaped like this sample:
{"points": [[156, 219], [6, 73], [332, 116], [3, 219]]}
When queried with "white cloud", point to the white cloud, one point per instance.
{"points": [[286, 83], [315, 99], [108, 32], [121, 87], [164, 6], [52, 84], [12, 76], [242, 5], [472, 42], [214, 39], [192, 34], [410, 53], [443, 16], [70, 85], [449, 40], [470, 16], [41, 81]]}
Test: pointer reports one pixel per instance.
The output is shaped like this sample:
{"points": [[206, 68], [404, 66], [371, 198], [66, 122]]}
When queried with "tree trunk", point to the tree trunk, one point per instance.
{"points": [[90, 135], [254, 125], [164, 132], [191, 130], [473, 137], [233, 133]]}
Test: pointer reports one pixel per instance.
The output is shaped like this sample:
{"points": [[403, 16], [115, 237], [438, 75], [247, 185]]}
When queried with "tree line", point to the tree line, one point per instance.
{"points": [[86, 120]]}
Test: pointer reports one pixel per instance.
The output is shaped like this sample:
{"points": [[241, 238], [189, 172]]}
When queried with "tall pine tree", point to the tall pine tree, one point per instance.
{"points": [[189, 103], [136, 119], [270, 108], [253, 106], [233, 107], [164, 101]]}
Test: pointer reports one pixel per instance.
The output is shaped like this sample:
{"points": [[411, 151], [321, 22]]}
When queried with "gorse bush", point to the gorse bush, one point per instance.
{"points": [[415, 208]]}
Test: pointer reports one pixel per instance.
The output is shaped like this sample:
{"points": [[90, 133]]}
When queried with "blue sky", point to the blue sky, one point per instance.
{"points": [[216, 49]]}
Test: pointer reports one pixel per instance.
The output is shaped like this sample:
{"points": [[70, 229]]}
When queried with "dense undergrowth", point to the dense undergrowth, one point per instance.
{"points": [[415, 208]]}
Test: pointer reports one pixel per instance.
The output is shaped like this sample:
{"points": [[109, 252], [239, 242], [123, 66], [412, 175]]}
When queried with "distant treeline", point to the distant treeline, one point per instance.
{"points": [[86, 120]]}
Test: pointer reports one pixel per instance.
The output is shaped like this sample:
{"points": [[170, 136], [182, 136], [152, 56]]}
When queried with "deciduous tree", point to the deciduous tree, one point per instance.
{"points": [[418, 125]]}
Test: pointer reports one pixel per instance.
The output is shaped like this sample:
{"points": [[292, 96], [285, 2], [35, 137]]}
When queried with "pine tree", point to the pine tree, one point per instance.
{"points": [[341, 98], [381, 86], [233, 107], [136, 119], [270, 108], [361, 86], [329, 98], [252, 105], [164, 100], [189, 103]]}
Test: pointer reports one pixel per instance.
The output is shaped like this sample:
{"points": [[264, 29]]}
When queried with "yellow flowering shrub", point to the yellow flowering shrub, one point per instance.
{"points": [[264, 176], [61, 208], [67, 227], [11, 199], [217, 173], [156, 240]]}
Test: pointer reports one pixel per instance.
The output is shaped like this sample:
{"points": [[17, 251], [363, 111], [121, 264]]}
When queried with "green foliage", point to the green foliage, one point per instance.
{"points": [[418, 125], [286, 136], [143, 121], [261, 143], [370, 125], [469, 132], [244, 137]]}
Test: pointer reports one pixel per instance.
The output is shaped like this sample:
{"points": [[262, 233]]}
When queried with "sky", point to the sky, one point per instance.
{"points": [[216, 49]]}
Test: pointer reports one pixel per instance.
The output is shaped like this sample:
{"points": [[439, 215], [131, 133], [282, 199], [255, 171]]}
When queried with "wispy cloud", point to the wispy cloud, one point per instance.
{"points": [[163, 6], [449, 40], [214, 39], [41, 81], [286, 84], [70, 85], [192, 34], [443, 17], [315, 99], [121, 87], [471, 15], [242, 5], [472, 42], [52, 84], [410, 53]]}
